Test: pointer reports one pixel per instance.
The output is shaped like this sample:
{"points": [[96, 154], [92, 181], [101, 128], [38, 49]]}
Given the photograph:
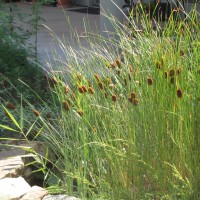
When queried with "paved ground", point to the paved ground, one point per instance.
{"points": [[56, 19]]}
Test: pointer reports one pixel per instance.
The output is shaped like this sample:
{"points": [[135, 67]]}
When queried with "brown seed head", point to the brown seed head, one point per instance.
{"points": [[178, 71], [36, 113], [101, 85], [84, 88], [150, 81], [118, 62], [10, 106], [113, 65], [114, 98], [91, 90], [166, 75], [182, 52], [54, 81], [171, 73], [66, 106], [96, 76], [179, 93], [80, 113], [133, 95], [80, 89], [158, 65], [130, 69], [108, 80]]}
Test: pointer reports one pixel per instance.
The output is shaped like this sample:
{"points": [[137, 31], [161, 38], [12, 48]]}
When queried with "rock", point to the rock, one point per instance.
{"points": [[35, 193], [11, 167], [13, 188], [59, 197]]}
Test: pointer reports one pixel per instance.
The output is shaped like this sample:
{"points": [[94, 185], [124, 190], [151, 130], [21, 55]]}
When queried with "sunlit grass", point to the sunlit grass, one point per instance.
{"points": [[123, 122]]}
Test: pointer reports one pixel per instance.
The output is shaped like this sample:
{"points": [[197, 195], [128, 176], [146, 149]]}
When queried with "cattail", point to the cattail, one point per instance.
{"points": [[36, 113], [165, 75], [179, 93], [135, 102], [118, 72], [106, 95], [108, 80], [182, 52], [94, 129], [80, 89], [66, 106], [101, 85], [54, 81], [171, 73], [118, 62], [96, 76], [133, 95], [10, 106], [91, 90], [178, 71], [84, 88], [89, 83], [114, 98], [158, 66], [150, 81], [130, 69], [113, 65], [162, 61], [80, 113]]}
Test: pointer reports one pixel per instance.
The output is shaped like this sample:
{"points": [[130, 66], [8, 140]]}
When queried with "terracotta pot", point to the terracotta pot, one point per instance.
{"points": [[64, 3]]}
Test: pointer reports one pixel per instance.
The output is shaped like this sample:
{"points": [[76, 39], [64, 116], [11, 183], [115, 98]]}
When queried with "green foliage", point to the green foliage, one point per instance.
{"points": [[123, 120]]}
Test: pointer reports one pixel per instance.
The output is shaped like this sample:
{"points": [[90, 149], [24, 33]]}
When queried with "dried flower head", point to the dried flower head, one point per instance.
{"points": [[150, 81], [179, 93], [84, 88], [54, 81], [80, 113], [96, 76], [118, 62], [80, 89], [10, 106], [166, 75], [178, 71], [66, 106], [36, 113], [158, 65], [133, 95], [182, 52], [130, 69], [125, 82], [171, 73], [108, 80], [91, 90], [114, 98], [101, 85]]}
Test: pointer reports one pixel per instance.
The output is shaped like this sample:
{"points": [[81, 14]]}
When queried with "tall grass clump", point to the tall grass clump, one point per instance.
{"points": [[124, 118]]}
